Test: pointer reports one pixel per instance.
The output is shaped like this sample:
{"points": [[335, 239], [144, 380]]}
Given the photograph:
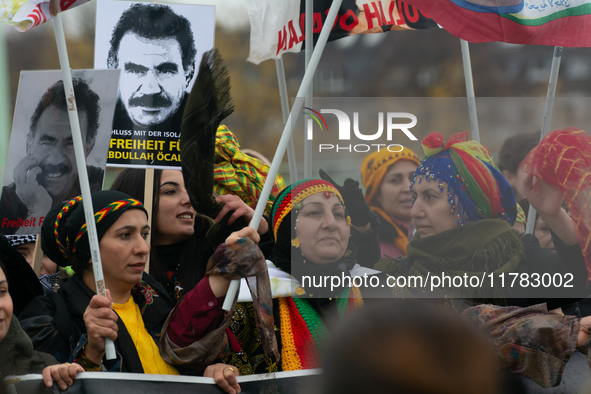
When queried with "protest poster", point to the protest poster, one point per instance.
{"points": [[41, 167], [158, 47]]}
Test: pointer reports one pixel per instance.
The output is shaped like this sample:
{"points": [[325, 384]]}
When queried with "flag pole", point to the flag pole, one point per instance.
{"points": [[286, 135], [97, 267], [470, 90], [557, 56], [309, 31], [293, 167]]}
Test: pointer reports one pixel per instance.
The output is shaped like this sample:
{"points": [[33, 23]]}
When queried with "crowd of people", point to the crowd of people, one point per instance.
{"points": [[454, 213], [454, 206]]}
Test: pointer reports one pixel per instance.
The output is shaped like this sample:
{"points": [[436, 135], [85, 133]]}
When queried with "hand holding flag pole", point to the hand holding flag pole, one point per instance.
{"points": [[286, 136]]}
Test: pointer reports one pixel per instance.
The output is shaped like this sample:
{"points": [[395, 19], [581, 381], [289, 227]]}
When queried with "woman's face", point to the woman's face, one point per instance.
{"points": [[394, 194], [5, 306], [542, 232], [124, 249], [431, 212], [322, 228], [176, 217]]}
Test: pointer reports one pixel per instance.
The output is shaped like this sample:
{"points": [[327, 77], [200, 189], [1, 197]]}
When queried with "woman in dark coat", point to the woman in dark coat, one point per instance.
{"points": [[17, 356]]}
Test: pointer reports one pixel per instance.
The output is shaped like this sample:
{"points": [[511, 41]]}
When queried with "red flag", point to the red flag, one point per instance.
{"points": [[539, 22]]}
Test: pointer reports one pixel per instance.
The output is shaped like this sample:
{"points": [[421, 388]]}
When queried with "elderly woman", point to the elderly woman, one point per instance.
{"points": [[386, 177], [463, 211], [312, 231]]}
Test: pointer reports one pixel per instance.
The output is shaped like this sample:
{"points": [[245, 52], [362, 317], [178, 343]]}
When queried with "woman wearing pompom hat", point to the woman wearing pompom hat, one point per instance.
{"points": [[386, 178], [312, 230], [463, 211]]}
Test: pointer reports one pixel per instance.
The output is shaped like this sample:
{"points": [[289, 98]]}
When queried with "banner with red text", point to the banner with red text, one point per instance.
{"points": [[277, 27]]}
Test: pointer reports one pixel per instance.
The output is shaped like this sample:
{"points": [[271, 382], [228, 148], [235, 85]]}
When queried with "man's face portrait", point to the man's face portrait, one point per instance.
{"points": [[51, 146], [153, 80]]}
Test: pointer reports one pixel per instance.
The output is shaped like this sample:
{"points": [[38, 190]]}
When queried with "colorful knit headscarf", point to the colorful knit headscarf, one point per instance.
{"points": [[287, 254], [375, 166], [481, 191], [563, 160], [64, 237], [292, 197], [240, 174], [373, 170]]}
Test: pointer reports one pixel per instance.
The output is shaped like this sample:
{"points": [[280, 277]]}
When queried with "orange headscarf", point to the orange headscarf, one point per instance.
{"points": [[373, 171]]}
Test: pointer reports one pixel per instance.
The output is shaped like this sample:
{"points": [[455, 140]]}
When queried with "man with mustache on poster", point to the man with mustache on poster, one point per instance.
{"points": [[155, 50], [48, 174]]}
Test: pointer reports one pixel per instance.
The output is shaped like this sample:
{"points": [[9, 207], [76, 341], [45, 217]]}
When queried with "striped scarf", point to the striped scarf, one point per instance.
{"points": [[303, 333], [240, 174]]}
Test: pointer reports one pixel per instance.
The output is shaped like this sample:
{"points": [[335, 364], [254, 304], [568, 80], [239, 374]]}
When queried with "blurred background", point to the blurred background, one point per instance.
{"points": [[423, 64]]}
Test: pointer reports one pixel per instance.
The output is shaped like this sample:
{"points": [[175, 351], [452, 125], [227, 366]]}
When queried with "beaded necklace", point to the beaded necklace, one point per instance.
{"points": [[303, 332]]}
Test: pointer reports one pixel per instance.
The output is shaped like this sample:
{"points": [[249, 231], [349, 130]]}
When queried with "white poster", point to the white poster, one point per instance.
{"points": [[41, 168], [158, 48]]}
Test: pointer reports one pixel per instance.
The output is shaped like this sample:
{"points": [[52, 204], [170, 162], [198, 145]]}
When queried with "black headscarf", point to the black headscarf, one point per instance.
{"points": [[23, 284], [64, 238]]}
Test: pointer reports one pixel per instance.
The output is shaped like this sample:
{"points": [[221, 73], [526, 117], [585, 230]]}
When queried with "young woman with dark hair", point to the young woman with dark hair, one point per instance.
{"points": [[180, 249]]}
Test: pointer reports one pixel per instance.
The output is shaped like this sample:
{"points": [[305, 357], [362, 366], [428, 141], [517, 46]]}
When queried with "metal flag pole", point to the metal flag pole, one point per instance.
{"points": [[470, 90], [293, 167], [309, 25], [531, 215], [286, 135], [97, 266]]}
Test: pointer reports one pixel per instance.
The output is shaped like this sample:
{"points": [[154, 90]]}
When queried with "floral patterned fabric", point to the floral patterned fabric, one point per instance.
{"points": [[530, 341]]}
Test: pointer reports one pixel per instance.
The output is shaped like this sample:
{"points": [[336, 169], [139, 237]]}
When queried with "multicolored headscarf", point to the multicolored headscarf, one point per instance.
{"points": [[240, 174], [472, 178], [64, 237], [287, 254], [292, 197], [562, 160]]}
